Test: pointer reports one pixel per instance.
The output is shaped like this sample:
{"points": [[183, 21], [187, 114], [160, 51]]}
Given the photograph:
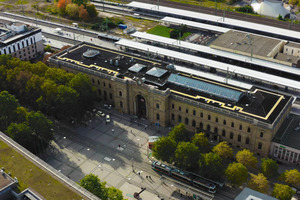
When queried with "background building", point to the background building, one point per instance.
{"points": [[21, 41]]}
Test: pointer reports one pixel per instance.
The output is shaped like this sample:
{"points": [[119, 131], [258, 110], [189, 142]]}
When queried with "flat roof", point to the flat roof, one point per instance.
{"points": [[211, 63], [205, 49], [239, 42], [259, 104], [249, 194], [216, 19], [288, 134], [5, 180], [198, 25], [293, 44]]}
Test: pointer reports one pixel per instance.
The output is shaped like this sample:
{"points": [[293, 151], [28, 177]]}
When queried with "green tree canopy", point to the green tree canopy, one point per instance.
{"points": [[178, 133], [259, 183], [72, 10], [21, 133], [269, 167], [92, 183], [114, 194], [283, 192], [91, 9], [187, 155], [79, 2], [236, 173], [201, 142], [8, 108], [164, 149], [40, 126], [211, 166], [223, 150], [246, 157], [292, 177]]}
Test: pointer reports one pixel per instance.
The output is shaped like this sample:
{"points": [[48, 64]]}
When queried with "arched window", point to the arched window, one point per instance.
{"points": [[260, 145], [216, 130], [172, 116], [247, 140], [193, 123], [231, 135], [187, 121], [120, 93], [201, 125], [208, 128], [157, 116], [239, 138], [223, 133], [208, 117], [179, 118]]}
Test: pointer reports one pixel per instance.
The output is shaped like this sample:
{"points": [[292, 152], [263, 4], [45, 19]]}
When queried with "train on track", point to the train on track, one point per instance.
{"points": [[185, 177]]}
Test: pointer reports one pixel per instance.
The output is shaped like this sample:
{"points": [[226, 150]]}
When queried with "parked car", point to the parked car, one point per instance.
{"points": [[107, 106], [107, 118], [100, 113]]}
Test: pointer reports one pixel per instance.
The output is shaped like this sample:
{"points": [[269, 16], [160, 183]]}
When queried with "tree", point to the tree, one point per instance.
{"points": [[223, 150], [114, 194], [282, 192], [62, 4], [72, 10], [8, 108], [164, 149], [80, 2], [269, 167], [40, 126], [211, 166], [92, 183], [291, 177], [187, 155], [20, 133], [236, 173], [246, 157], [259, 183], [201, 142], [87, 94], [294, 2], [178, 133], [91, 9], [83, 13]]}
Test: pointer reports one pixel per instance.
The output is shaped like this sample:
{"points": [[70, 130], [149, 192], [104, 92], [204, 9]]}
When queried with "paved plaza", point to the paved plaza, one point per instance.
{"points": [[116, 152]]}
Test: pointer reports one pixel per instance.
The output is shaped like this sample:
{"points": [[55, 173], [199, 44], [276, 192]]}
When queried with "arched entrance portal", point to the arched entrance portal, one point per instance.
{"points": [[141, 106]]}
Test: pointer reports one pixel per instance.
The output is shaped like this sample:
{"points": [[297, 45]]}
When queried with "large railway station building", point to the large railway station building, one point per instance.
{"points": [[244, 115]]}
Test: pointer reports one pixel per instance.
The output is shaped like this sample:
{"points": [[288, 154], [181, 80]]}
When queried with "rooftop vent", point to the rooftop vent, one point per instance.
{"points": [[90, 53]]}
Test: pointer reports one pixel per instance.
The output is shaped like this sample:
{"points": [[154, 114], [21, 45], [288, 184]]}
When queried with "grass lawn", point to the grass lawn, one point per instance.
{"points": [[29, 175], [160, 30], [165, 31]]}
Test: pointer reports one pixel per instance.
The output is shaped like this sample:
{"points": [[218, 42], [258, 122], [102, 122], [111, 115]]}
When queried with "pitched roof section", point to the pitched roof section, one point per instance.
{"points": [[205, 87]]}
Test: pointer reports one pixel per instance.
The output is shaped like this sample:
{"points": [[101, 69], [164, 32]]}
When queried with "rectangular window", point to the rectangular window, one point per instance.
{"points": [[194, 112], [217, 120], [157, 106], [232, 124], [208, 117], [201, 115], [121, 104], [103, 84], [172, 116], [173, 106], [224, 122], [261, 134], [157, 116], [98, 82], [109, 85], [187, 110], [248, 130], [179, 108], [241, 127]]}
